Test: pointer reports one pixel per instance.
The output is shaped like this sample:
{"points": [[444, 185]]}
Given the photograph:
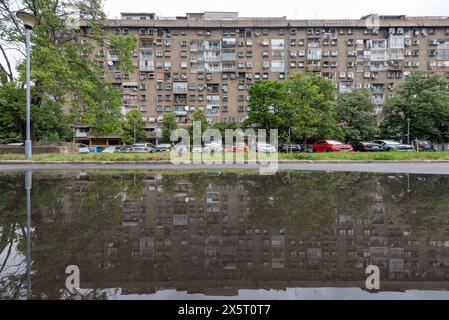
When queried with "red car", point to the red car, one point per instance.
{"points": [[240, 147], [331, 146]]}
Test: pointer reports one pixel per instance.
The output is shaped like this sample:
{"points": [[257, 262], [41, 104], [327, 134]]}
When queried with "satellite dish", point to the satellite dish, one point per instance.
{"points": [[110, 63]]}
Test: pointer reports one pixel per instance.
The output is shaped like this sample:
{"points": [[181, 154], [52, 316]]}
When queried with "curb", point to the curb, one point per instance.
{"points": [[165, 162]]}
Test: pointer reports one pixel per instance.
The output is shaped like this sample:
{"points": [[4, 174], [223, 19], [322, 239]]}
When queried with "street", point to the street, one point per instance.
{"points": [[382, 167]]}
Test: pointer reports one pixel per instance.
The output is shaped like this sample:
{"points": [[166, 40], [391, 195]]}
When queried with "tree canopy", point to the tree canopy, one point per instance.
{"points": [[422, 99], [354, 113], [63, 71], [133, 128], [302, 105]]}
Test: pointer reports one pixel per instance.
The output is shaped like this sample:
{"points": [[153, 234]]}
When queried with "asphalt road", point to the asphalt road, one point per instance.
{"points": [[421, 168]]}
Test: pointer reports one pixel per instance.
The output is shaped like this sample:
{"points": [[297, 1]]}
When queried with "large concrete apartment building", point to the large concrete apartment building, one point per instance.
{"points": [[208, 60]]}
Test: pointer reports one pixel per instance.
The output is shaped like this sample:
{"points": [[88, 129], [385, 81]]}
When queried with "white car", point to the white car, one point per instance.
{"points": [[82, 148], [265, 147], [181, 148], [197, 149], [111, 150], [215, 146]]}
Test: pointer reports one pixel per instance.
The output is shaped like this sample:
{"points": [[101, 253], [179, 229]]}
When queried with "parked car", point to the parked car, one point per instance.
{"points": [[181, 148], [96, 149], [239, 147], [82, 148], [331, 146], [391, 145], [124, 149], [197, 149], [423, 145], [290, 148], [265, 147], [163, 147], [213, 145], [366, 146], [111, 149], [143, 147]]}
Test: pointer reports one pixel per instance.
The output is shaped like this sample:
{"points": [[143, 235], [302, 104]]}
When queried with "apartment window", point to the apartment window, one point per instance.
{"points": [[241, 98], [159, 98], [183, 43], [301, 42], [167, 97], [192, 97], [265, 53], [249, 53], [183, 54], [281, 75], [224, 108], [159, 109], [142, 86], [184, 65], [265, 75], [159, 53], [143, 31]]}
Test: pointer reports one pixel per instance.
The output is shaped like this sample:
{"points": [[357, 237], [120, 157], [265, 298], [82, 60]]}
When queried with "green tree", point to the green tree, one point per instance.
{"points": [[425, 102], [133, 128], [168, 125], [303, 106], [267, 104], [64, 75], [200, 116], [312, 99], [354, 113], [222, 126]]}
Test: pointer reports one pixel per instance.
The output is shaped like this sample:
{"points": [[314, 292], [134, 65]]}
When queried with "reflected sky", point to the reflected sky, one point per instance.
{"points": [[197, 235]]}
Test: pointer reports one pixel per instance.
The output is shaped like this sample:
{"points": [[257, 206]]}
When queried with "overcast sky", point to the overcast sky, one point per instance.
{"points": [[316, 9]]}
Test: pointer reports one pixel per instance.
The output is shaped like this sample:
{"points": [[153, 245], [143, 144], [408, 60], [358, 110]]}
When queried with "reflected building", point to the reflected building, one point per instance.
{"points": [[208, 244]]}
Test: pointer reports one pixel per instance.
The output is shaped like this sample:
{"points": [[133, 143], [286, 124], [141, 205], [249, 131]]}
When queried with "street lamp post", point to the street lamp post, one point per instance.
{"points": [[29, 21]]}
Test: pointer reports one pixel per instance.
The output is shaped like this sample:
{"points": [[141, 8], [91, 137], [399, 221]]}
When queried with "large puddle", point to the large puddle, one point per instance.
{"points": [[294, 235]]}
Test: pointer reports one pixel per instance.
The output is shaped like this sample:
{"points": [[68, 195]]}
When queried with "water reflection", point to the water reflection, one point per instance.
{"points": [[216, 234]]}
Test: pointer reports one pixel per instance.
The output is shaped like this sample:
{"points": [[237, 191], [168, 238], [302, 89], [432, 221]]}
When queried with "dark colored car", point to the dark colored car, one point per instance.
{"points": [[290, 148], [365, 146], [391, 145], [331, 146], [422, 145]]}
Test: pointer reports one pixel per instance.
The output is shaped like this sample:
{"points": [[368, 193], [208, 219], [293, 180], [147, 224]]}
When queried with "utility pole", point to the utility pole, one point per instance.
{"points": [[134, 132], [408, 130]]}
